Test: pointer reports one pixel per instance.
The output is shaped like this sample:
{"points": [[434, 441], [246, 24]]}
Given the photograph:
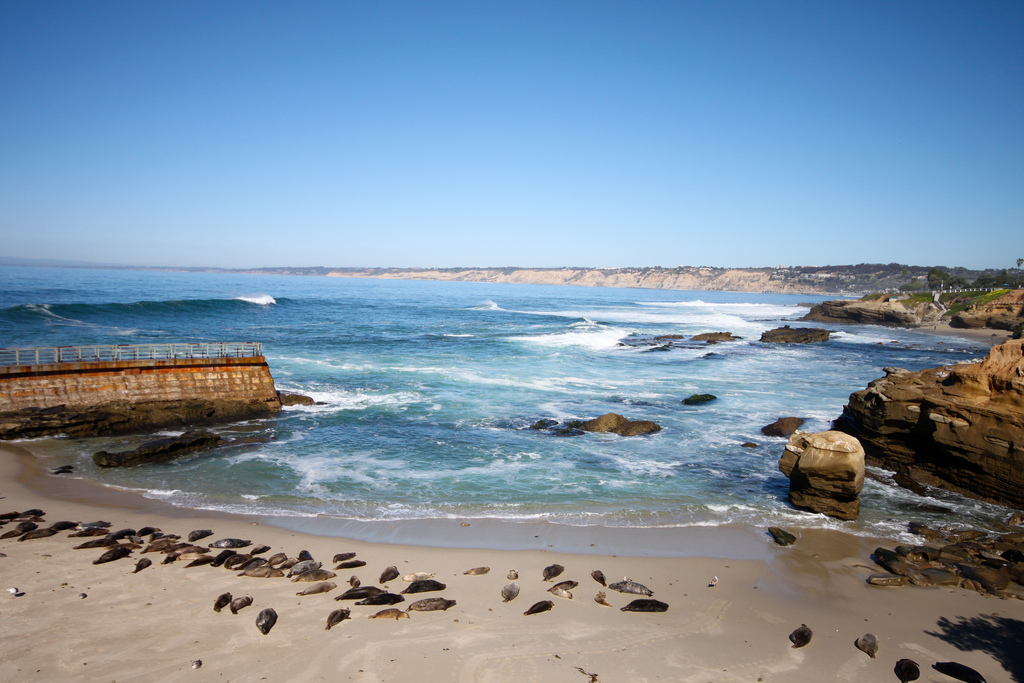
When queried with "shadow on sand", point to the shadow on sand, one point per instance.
{"points": [[999, 637]]}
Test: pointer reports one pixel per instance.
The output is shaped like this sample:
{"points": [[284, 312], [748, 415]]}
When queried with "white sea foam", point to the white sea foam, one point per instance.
{"points": [[587, 335], [261, 299]]}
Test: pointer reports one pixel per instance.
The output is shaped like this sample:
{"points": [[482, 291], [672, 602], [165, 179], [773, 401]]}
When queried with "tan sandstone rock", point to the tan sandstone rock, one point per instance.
{"points": [[826, 473], [960, 427]]}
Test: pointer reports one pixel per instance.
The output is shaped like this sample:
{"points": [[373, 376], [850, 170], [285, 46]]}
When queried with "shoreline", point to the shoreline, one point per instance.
{"points": [[153, 624], [982, 336]]}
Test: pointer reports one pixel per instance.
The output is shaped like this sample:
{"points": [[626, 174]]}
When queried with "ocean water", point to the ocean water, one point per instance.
{"points": [[426, 392]]}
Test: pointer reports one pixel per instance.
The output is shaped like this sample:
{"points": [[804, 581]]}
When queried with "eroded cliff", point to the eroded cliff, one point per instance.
{"points": [[960, 427]]}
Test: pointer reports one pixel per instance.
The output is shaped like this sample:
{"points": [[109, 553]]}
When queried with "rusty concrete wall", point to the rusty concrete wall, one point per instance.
{"points": [[89, 384]]}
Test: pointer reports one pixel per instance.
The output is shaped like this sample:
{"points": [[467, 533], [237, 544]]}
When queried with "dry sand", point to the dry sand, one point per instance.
{"points": [[153, 624], [982, 336]]}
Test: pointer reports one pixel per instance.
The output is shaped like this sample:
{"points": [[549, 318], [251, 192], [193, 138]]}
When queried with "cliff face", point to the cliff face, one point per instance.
{"points": [[960, 427], [1004, 313], [711, 279], [882, 311]]}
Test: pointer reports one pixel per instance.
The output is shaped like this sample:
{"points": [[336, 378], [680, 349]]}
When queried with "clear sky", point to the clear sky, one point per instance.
{"points": [[247, 134]]}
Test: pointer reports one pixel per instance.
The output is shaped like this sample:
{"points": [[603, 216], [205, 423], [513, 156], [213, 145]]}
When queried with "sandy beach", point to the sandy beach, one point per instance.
{"points": [[153, 624], [982, 336]]}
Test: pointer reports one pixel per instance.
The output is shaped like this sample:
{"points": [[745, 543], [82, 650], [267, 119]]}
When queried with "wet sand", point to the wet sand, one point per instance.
{"points": [[153, 624], [981, 336]]}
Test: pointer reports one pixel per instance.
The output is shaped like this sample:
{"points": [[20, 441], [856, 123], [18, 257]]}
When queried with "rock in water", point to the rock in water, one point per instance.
{"points": [[960, 672], [337, 616], [907, 670], [266, 620], [551, 571], [159, 450], [826, 473], [784, 426], [538, 607], [868, 644], [781, 536], [646, 605], [801, 636], [794, 335], [617, 424], [509, 592]]}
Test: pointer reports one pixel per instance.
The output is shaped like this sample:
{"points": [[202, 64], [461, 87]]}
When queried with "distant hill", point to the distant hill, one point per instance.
{"points": [[851, 280]]}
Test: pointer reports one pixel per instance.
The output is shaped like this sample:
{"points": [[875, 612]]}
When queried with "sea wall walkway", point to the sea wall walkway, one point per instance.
{"points": [[84, 376]]}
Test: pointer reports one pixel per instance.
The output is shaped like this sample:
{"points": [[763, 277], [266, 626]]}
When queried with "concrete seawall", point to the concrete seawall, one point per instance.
{"points": [[83, 385]]}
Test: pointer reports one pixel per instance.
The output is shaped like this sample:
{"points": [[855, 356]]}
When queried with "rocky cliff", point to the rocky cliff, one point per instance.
{"points": [[960, 427], [884, 310], [709, 279], [1003, 313]]}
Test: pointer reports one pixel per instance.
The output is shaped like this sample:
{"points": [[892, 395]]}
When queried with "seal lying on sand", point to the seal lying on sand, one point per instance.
{"points": [[509, 592], [382, 599], [907, 670], [222, 601], [392, 613], [538, 607], [553, 570], [266, 620], [424, 586], [337, 616], [627, 585], [801, 636], [389, 574], [431, 605], [646, 605], [868, 644]]}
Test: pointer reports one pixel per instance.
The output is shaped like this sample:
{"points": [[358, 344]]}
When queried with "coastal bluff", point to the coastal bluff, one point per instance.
{"points": [[959, 427], [884, 310], [125, 389]]}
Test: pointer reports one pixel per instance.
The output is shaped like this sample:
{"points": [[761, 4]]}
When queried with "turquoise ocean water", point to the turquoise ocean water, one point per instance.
{"points": [[427, 391]]}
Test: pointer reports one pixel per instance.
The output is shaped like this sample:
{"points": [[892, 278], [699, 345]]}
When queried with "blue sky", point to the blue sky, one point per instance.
{"points": [[512, 133]]}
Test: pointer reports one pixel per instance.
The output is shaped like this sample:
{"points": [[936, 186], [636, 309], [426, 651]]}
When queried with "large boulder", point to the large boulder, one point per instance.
{"points": [[883, 310], [826, 473], [714, 337], [794, 335], [612, 422], [960, 427], [159, 450]]}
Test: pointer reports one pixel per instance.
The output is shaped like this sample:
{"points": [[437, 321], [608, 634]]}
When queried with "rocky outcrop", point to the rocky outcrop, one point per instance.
{"points": [[826, 473], [126, 417], [714, 337], [699, 399], [612, 422], [288, 398], [159, 450], [1003, 313], [784, 426], [884, 310], [794, 335], [960, 427]]}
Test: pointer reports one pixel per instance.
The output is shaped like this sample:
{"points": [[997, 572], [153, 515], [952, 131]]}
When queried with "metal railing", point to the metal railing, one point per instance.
{"points": [[46, 355]]}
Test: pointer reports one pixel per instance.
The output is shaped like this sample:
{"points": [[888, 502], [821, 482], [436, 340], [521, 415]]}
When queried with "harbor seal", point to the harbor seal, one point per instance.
{"points": [[510, 592], [63, 525], [431, 605], [222, 601], [417, 576], [538, 607], [600, 599], [477, 571], [262, 571], [198, 561], [240, 603], [199, 534], [221, 557], [960, 672], [645, 605], [867, 644], [231, 543], [564, 585], [801, 636], [389, 574], [303, 566], [233, 562], [305, 555], [314, 575], [341, 557], [360, 592], [115, 553], [259, 550], [627, 585], [350, 564], [391, 613], [553, 570], [38, 533], [382, 599], [265, 620], [424, 586], [907, 670], [276, 559], [513, 575], [322, 587], [598, 576], [337, 616], [560, 592], [142, 564]]}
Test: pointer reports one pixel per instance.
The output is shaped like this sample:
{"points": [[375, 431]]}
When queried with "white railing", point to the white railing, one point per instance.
{"points": [[47, 355]]}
